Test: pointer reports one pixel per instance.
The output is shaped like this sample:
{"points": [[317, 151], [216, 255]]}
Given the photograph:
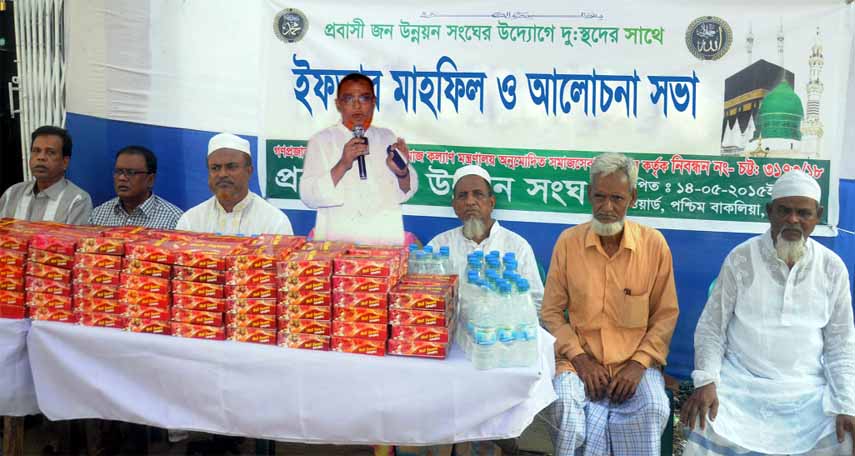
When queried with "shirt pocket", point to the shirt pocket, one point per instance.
{"points": [[633, 310]]}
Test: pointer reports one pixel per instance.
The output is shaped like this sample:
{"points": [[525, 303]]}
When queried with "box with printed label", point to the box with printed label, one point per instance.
{"points": [[360, 315], [358, 346], [146, 268], [146, 325], [190, 302], [145, 283], [49, 301], [91, 276], [319, 327], [39, 285], [251, 306], [98, 305], [48, 272], [93, 260], [295, 312], [49, 314], [254, 335], [234, 319], [102, 319], [198, 275], [197, 317], [370, 300], [418, 317], [210, 290], [361, 330], [96, 290], [349, 284], [418, 348], [192, 331], [102, 245], [50, 258], [303, 341], [144, 298]]}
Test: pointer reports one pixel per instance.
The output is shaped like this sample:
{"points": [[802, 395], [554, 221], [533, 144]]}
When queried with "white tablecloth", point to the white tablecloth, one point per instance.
{"points": [[17, 394], [281, 394]]}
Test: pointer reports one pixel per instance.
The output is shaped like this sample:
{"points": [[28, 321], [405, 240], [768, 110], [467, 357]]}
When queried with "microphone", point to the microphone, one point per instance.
{"points": [[359, 132]]}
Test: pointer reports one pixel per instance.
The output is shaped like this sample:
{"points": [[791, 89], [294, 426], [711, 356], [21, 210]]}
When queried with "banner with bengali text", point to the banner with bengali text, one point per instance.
{"points": [[714, 102]]}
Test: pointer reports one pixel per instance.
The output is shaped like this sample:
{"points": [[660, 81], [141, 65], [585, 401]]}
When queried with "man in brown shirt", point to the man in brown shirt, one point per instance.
{"points": [[615, 281]]}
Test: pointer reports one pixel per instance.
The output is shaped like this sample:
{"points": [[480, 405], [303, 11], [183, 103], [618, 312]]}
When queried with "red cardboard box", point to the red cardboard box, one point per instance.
{"points": [[12, 257], [147, 313], [50, 258], [419, 348], [96, 290], [145, 283], [250, 277], [421, 299], [210, 290], [306, 264], [92, 276], [56, 243], [360, 315], [97, 305], [102, 319], [146, 268], [295, 312], [48, 272], [366, 266], [426, 333], [348, 284], [93, 260], [361, 330], [48, 301], [306, 299], [418, 317], [303, 341], [251, 320], [254, 335], [197, 317], [48, 314], [159, 251], [145, 325], [292, 285], [317, 327], [11, 298], [144, 298], [258, 291], [7, 271], [12, 311], [198, 303], [327, 246], [259, 258], [359, 346], [102, 245], [198, 331], [251, 306], [12, 284], [13, 240], [370, 300], [55, 287], [198, 275]]}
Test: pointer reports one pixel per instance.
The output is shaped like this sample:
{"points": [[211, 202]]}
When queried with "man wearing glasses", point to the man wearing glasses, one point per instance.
{"points": [[135, 203], [357, 186], [49, 196], [233, 209]]}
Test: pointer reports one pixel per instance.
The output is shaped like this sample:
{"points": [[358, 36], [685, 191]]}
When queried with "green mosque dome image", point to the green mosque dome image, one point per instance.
{"points": [[780, 114]]}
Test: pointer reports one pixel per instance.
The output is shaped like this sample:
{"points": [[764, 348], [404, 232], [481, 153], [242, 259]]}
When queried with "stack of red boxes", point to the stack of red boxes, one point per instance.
{"points": [[198, 286], [421, 313], [48, 281], [147, 297], [96, 276], [13, 255], [251, 293], [361, 282], [304, 307]]}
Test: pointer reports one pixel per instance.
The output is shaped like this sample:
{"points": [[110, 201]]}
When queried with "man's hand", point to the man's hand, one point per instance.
{"points": [[352, 149], [846, 423], [703, 402], [623, 385], [593, 375], [405, 154]]}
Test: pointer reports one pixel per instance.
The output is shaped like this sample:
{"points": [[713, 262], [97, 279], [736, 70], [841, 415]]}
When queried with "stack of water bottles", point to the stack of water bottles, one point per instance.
{"points": [[497, 323], [426, 261]]}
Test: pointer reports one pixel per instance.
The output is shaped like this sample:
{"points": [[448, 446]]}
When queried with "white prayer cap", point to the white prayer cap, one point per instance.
{"points": [[470, 170], [228, 141], [796, 183]]}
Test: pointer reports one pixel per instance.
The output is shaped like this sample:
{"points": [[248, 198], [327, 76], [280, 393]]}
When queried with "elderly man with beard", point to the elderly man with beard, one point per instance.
{"points": [[473, 203], [233, 209], [775, 344], [615, 280]]}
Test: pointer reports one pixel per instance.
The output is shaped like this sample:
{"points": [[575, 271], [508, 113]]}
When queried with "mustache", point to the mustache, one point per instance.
{"points": [[224, 180]]}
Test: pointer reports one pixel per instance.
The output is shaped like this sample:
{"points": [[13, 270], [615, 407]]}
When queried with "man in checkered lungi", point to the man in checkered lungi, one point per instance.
{"points": [[615, 281]]}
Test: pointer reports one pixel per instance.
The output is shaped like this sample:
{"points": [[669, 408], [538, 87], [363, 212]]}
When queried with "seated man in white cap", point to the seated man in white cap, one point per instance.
{"points": [[775, 345], [473, 201], [350, 178], [233, 209]]}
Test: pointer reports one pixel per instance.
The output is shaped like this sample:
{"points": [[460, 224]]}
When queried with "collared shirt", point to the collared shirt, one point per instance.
{"points": [[501, 239], [354, 210], [620, 308], [62, 202], [779, 344], [251, 216], [154, 212]]}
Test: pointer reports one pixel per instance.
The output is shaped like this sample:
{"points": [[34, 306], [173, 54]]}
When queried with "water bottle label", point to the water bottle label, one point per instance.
{"points": [[526, 332], [485, 336], [505, 334]]}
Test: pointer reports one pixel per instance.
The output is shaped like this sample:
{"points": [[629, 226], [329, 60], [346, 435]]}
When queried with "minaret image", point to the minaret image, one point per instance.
{"points": [[749, 45], [781, 44], [812, 125]]}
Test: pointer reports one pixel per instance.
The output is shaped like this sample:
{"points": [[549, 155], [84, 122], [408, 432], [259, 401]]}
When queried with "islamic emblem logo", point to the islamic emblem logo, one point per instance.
{"points": [[290, 25], [709, 38]]}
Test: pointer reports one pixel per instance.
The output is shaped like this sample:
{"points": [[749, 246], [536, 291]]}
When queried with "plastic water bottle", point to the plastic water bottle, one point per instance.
{"points": [[492, 279], [509, 265], [527, 326], [418, 262], [445, 261], [505, 325], [473, 263], [484, 332]]}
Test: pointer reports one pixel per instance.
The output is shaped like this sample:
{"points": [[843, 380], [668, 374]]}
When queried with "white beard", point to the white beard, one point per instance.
{"points": [[606, 229], [790, 252], [474, 228]]}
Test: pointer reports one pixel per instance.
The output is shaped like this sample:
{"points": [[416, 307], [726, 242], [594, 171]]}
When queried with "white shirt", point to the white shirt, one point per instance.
{"points": [[253, 215], [780, 346], [366, 211], [501, 239]]}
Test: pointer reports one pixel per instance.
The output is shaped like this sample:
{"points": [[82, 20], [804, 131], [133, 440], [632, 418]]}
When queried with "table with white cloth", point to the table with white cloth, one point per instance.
{"points": [[17, 393], [281, 394]]}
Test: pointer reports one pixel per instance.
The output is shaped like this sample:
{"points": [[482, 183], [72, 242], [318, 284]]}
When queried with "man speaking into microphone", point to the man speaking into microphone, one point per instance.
{"points": [[352, 176]]}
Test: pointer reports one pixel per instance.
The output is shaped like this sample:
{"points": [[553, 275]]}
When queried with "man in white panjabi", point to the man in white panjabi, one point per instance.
{"points": [[233, 209], [775, 345]]}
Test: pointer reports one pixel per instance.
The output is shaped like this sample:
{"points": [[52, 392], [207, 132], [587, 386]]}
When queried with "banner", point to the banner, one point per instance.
{"points": [[714, 102]]}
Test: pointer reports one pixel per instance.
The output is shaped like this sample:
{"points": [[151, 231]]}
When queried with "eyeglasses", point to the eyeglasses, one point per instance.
{"points": [[351, 100], [129, 173]]}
